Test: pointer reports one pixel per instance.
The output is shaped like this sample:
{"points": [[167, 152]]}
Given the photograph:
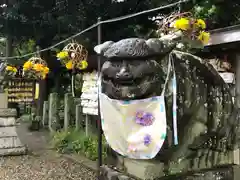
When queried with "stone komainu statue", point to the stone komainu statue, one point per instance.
{"points": [[208, 123]]}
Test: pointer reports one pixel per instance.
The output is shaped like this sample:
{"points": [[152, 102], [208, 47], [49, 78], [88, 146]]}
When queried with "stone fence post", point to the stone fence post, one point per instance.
{"points": [[67, 109], [45, 114], [78, 114], [53, 118]]}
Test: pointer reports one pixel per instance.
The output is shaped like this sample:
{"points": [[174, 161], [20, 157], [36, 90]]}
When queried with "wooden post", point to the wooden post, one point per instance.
{"points": [[40, 100], [236, 153], [99, 163], [42, 92], [237, 89], [9, 42], [9, 39]]}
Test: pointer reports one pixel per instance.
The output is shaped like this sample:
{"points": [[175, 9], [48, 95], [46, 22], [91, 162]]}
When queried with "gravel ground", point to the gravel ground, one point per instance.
{"points": [[43, 166], [40, 163]]}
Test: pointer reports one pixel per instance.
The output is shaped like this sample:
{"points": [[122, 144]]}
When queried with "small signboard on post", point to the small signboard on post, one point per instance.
{"points": [[20, 91], [89, 97]]}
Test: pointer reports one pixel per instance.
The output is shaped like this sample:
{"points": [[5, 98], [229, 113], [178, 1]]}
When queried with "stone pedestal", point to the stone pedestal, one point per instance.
{"points": [[10, 143], [220, 173], [143, 169], [110, 174]]}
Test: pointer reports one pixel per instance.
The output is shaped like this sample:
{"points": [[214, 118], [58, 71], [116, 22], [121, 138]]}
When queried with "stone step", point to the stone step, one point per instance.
{"points": [[8, 112], [10, 142], [9, 131], [13, 151], [7, 121]]}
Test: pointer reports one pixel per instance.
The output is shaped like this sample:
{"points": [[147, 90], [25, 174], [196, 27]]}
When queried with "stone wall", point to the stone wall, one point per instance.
{"points": [[10, 143]]}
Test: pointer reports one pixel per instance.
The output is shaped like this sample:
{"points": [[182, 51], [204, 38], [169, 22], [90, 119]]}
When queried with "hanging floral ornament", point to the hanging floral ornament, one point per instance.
{"points": [[8, 72], [35, 67], [74, 56], [186, 28]]}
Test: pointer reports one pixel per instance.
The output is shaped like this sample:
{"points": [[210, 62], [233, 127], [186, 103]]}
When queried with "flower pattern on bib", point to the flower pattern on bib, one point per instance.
{"points": [[144, 118], [147, 140]]}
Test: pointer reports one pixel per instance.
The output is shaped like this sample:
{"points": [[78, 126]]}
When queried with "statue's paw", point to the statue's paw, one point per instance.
{"points": [[179, 156], [208, 158], [226, 138], [204, 158], [200, 160], [179, 166], [219, 144]]}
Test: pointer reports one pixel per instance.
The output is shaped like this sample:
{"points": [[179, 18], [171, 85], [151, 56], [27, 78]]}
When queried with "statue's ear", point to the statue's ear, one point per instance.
{"points": [[101, 48], [159, 46]]}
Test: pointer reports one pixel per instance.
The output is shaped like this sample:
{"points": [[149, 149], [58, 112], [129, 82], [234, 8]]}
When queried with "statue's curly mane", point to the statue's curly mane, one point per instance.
{"points": [[208, 121]]}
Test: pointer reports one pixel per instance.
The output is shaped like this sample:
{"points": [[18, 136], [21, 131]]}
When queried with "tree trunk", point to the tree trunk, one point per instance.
{"points": [[43, 43], [9, 42]]}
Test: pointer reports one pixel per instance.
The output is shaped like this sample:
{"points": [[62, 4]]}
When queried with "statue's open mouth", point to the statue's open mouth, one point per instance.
{"points": [[134, 88], [130, 82]]}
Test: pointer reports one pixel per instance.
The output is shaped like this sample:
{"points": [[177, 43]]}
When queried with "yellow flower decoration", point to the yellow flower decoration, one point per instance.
{"points": [[27, 65], [83, 64], [69, 64], [204, 37], [62, 55], [200, 24], [14, 69], [9, 68], [38, 67], [182, 24], [45, 70], [43, 76]]}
